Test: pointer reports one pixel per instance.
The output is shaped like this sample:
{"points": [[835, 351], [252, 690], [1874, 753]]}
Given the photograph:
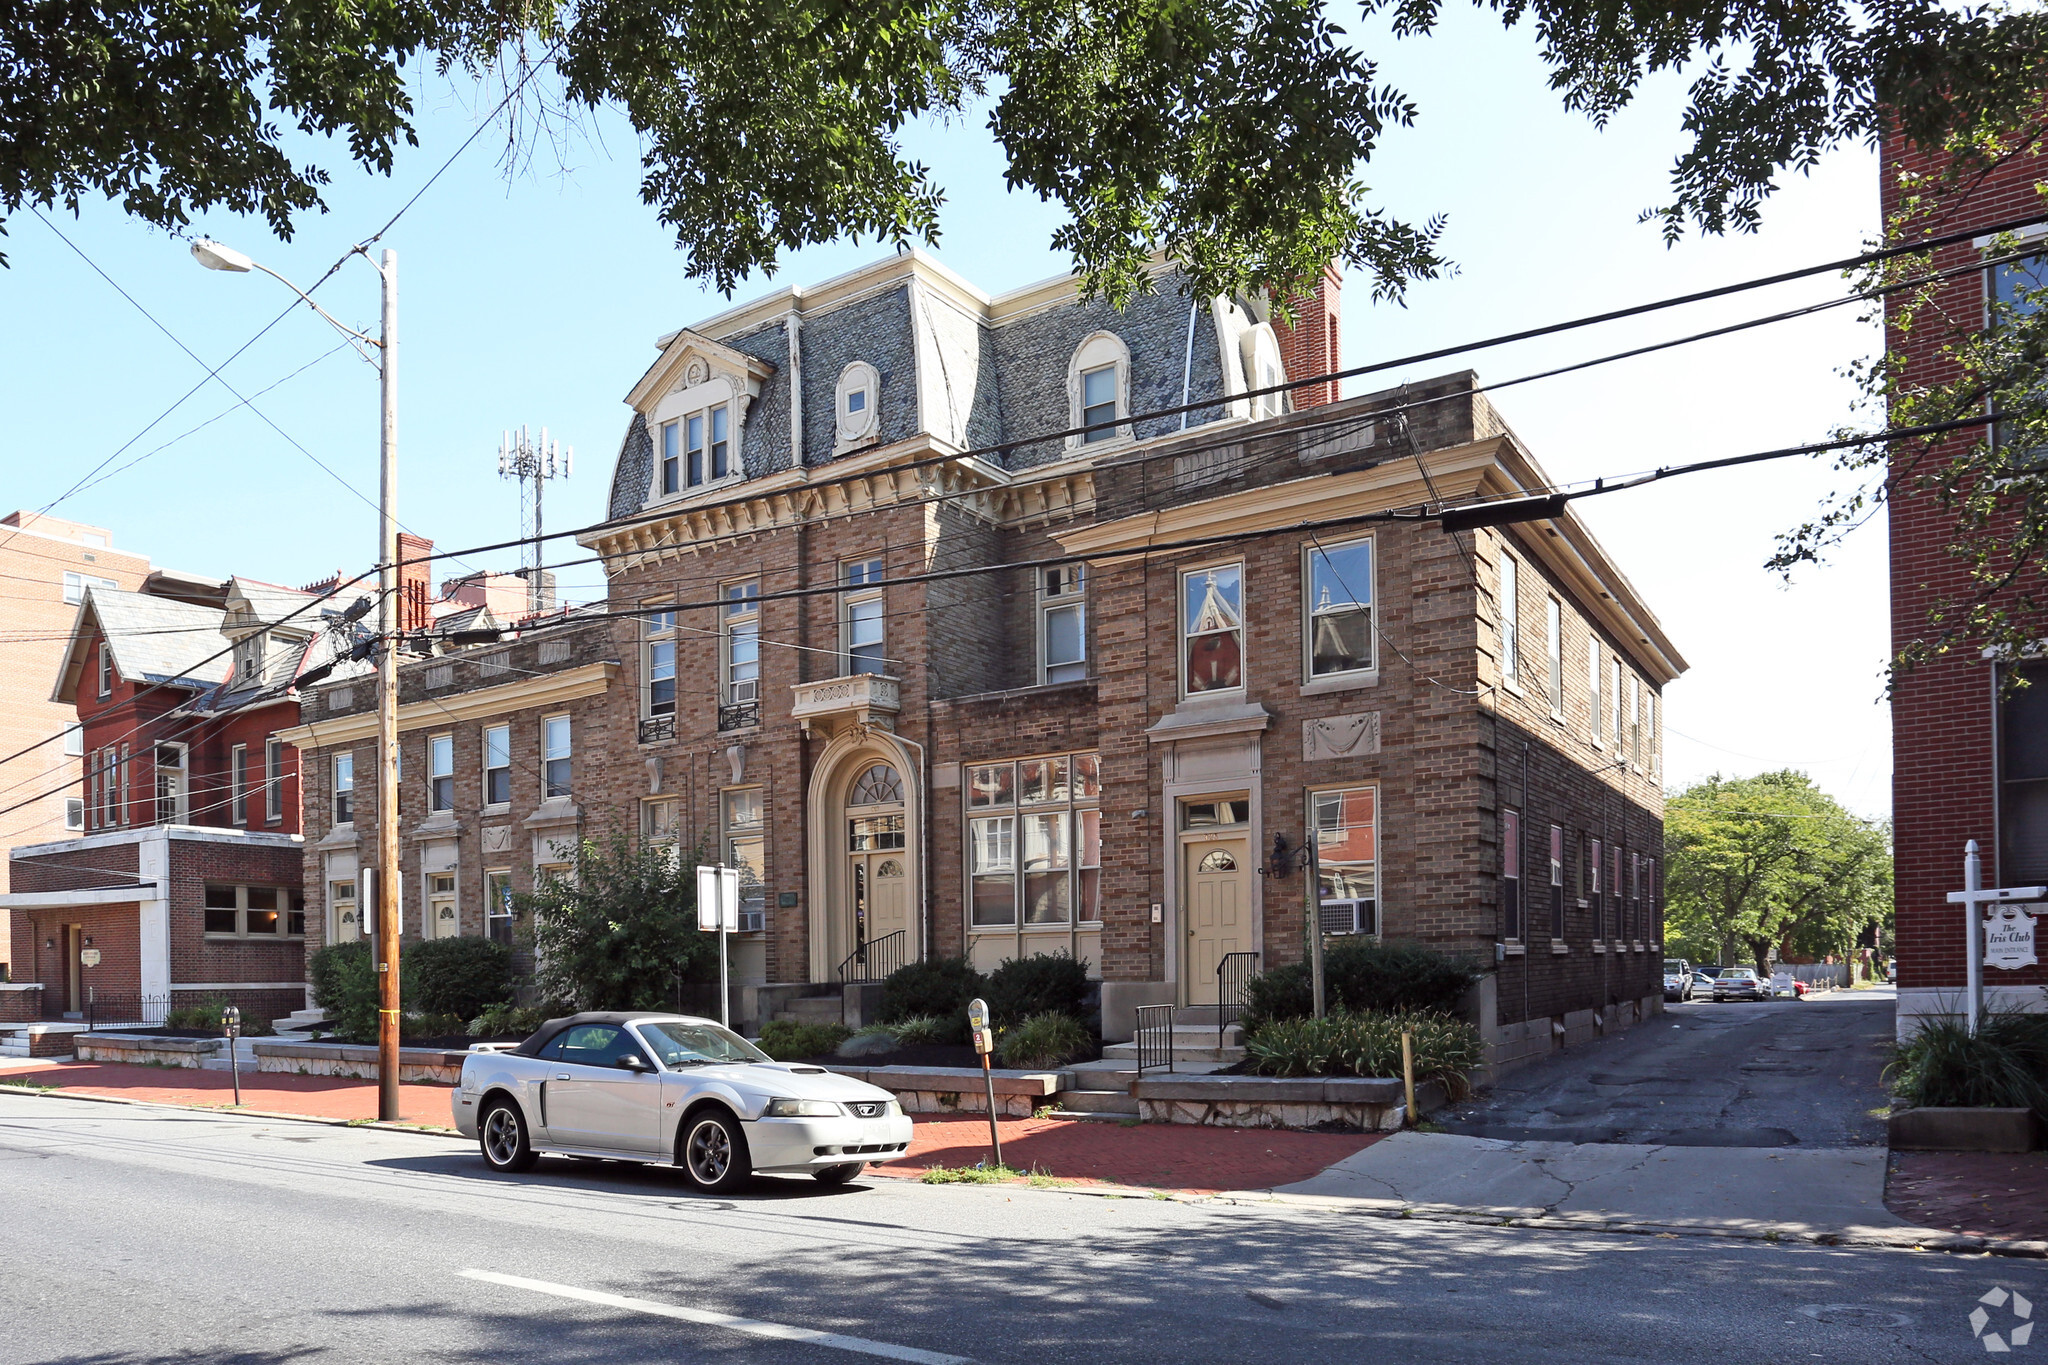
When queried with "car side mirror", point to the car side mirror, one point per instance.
{"points": [[632, 1061]]}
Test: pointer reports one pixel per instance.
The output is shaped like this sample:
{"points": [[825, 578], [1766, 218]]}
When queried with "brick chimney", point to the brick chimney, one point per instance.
{"points": [[1310, 345], [415, 582]]}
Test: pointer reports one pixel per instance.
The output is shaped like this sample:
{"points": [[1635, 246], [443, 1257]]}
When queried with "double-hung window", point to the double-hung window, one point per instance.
{"points": [[497, 765], [741, 648], [1034, 840], [498, 905], [1635, 720], [171, 794], [1212, 629], [1347, 860], [2013, 290], [862, 616], [697, 449], [746, 845], [1593, 685], [273, 780], [1556, 624], [659, 629], [1063, 623], [238, 785], [1510, 619], [1614, 900], [1511, 872], [1590, 881], [441, 773], [75, 585], [1557, 883], [1338, 629], [344, 788], [554, 757], [1098, 403], [106, 670]]}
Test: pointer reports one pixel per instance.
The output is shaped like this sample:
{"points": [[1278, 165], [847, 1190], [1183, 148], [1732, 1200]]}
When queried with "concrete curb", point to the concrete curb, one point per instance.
{"points": [[1895, 1239], [229, 1110]]}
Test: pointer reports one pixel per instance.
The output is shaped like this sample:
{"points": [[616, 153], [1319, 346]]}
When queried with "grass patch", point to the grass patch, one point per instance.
{"points": [[1040, 1179], [970, 1175], [25, 1083]]}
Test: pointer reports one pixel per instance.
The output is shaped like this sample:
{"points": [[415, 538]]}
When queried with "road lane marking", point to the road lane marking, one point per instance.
{"points": [[778, 1331]]}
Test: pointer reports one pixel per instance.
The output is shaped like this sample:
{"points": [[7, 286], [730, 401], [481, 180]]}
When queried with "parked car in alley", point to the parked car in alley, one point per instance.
{"points": [[1677, 979], [1702, 981], [1740, 983], [669, 1088]]}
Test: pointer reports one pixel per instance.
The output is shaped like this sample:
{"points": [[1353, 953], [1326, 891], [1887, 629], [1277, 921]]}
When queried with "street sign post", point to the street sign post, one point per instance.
{"points": [[718, 911], [1973, 898]]}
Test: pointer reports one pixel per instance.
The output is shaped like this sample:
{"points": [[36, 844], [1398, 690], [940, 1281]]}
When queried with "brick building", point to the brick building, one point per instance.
{"points": [[1968, 755], [1115, 744]]}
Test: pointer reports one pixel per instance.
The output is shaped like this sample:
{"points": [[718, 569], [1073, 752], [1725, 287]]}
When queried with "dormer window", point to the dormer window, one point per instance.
{"points": [[1099, 390], [249, 658], [696, 449], [857, 407]]}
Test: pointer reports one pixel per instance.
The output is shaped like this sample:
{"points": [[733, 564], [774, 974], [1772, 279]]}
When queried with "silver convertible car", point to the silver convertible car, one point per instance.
{"points": [[667, 1087]]}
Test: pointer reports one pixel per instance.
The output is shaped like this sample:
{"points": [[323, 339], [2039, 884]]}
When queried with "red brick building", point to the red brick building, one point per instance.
{"points": [[1968, 762]]}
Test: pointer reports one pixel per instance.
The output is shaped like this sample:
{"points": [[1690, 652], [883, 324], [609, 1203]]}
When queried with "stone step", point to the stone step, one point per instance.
{"points": [[1097, 1101], [1182, 1051], [1089, 1116], [12, 1047]]}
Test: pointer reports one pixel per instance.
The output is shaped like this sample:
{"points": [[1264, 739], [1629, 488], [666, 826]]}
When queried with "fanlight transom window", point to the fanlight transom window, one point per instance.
{"points": [[1218, 861], [878, 786]]}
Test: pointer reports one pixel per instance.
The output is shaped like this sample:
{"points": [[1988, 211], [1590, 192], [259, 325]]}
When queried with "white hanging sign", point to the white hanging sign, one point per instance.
{"points": [[2009, 938], [718, 899]]}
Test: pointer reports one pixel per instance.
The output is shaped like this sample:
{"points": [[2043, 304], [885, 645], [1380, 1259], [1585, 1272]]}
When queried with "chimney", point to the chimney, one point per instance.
{"points": [[415, 581], [1309, 346]]}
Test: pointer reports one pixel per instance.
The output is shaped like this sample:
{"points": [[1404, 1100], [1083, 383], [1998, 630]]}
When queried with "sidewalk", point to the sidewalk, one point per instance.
{"points": [[1169, 1157], [1977, 1194]]}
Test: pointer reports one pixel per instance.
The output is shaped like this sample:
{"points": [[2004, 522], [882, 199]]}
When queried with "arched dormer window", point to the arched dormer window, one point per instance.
{"points": [[1099, 390], [857, 407], [1263, 368]]}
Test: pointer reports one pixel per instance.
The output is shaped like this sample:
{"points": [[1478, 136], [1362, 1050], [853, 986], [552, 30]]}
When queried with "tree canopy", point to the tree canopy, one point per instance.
{"points": [[1770, 861], [1229, 134]]}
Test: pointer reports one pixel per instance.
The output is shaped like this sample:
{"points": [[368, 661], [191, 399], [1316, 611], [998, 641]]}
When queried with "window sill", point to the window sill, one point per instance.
{"points": [[253, 938], [1599, 947], [497, 808], [1338, 682], [1514, 949], [1513, 687], [1558, 947]]}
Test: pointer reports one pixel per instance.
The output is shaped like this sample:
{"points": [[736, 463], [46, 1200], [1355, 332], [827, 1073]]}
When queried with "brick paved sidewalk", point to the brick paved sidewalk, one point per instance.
{"points": [[1983, 1194], [1189, 1159]]}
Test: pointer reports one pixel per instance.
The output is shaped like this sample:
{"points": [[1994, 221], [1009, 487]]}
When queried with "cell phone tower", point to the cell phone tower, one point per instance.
{"points": [[532, 463]]}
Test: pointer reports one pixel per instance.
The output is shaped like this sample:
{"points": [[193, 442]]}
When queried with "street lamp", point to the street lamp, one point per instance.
{"points": [[216, 256]]}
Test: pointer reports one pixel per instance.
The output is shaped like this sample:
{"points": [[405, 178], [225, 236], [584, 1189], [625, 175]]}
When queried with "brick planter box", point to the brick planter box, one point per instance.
{"points": [[960, 1089], [1964, 1130], [142, 1049], [20, 1001], [1268, 1102], [415, 1064]]}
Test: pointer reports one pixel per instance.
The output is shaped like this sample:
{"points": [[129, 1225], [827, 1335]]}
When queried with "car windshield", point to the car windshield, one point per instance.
{"points": [[681, 1044], [1674, 968]]}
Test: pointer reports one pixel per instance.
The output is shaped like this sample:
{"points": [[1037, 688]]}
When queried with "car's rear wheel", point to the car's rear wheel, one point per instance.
{"points": [[502, 1136], [714, 1154], [839, 1175]]}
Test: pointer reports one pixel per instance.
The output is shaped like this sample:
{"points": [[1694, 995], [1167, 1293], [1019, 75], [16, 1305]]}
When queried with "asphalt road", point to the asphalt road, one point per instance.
{"points": [[140, 1236], [1777, 1073]]}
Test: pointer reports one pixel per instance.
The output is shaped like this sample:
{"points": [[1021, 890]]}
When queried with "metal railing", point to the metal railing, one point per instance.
{"points": [[739, 715], [1233, 975], [1154, 1037], [877, 959], [658, 729], [116, 1009], [106, 1009]]}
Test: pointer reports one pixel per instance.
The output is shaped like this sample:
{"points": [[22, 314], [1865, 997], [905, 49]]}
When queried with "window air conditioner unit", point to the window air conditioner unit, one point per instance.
{"points": [[1351, 917]]}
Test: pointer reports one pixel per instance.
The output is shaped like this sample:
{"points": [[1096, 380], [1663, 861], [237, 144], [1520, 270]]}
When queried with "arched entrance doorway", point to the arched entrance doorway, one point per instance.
{"points": [[877, 903], [864, 859]]}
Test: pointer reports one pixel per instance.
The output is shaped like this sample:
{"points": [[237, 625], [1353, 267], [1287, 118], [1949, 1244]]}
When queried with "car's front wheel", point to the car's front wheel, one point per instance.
{"points": [[502, 1136], [714, 1154], [839, 1175]]}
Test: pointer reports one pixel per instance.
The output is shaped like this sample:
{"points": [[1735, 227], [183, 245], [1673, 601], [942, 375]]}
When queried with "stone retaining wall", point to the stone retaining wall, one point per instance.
{"points": [[430, 1066], [961, 1089], [1264, 1102], [141, 1049]]}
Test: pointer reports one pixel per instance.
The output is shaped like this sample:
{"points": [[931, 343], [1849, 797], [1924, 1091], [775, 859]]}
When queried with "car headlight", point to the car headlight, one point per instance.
{"points": [[801, 1109]]}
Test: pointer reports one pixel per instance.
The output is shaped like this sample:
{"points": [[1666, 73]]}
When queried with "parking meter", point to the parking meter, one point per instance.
{"points": [[985, 1043], [231, 1026]]}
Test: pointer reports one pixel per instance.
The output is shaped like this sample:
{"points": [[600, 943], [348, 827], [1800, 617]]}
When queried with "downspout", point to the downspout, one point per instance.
{"points": [[1187, 365], [792, 328]]}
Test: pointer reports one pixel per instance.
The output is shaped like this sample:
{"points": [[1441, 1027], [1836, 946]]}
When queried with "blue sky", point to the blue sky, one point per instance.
{"points": [[535, 298]]}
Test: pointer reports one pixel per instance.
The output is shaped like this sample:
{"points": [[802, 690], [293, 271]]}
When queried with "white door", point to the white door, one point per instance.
{"points": [[1217, 896]]}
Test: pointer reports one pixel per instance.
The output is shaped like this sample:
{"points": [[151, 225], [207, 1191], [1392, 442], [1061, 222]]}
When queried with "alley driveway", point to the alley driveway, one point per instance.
{"points": [[1747, 1118]]}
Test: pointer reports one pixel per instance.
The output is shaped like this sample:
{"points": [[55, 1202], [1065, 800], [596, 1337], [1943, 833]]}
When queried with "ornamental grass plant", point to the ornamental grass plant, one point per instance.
{"points": [[1368, 1044], [2004, 1067]]}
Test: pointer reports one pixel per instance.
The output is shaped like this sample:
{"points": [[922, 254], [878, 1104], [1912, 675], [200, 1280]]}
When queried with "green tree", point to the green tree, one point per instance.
{"points": [[620, 932], [1770, 861]]}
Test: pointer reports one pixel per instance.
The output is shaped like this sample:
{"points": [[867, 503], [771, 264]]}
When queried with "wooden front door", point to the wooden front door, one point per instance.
{"points": [[1217, 892]]}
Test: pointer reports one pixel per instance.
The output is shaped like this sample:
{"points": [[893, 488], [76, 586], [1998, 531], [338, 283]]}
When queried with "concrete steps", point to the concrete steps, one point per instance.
{"points": [[1190, 1044]]}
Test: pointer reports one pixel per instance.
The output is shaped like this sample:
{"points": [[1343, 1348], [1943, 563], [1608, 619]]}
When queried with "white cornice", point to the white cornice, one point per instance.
{"points": [[552, 689]]}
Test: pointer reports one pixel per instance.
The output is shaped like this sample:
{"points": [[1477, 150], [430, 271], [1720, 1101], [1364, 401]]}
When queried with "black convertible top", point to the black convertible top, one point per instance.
{"points": [[545, 1034]]}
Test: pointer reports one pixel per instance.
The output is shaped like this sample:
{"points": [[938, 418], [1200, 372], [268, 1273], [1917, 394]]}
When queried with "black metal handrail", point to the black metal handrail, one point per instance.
{"points": [[875, 959], [657, 729], [1154, 1037], [739, 715], [1233, 974]]}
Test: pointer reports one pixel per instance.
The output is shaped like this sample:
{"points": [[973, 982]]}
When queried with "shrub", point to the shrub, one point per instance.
{"points": [[870, 1041], [1347, 1044], [621, 932], [429, 1025], [507, 1019], [939, 986], [919, 1030], [459, 976], [789, 1040], [1045, 1040], [345, 985], [1044, 983], [2004, 1067], [207, 1016], [1361, 976]]}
